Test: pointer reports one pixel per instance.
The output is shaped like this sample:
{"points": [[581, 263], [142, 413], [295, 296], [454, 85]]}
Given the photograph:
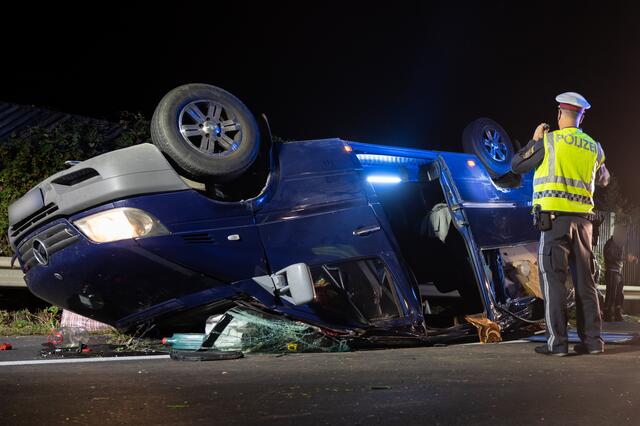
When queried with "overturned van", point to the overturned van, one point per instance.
{"points": [[375, 243]]}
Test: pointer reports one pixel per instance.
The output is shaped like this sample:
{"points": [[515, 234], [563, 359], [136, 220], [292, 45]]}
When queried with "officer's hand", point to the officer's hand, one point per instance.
{"points": [[540, 131], [632, 259]]}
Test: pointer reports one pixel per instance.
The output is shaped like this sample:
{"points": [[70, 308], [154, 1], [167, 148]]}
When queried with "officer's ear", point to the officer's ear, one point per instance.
{"points": [[581, 118], [559, 114]]}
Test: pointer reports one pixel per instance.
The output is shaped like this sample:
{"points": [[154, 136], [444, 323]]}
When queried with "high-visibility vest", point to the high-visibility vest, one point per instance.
{"points": [[565, 181]]}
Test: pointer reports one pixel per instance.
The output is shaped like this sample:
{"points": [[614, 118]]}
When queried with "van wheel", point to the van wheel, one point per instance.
{"points": [[208, 133], [491, 144]]}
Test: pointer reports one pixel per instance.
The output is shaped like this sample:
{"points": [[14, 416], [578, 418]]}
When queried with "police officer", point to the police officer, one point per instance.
{"points": [[568, 164]]}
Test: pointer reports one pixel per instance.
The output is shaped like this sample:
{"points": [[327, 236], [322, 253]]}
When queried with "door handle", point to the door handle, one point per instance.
{"points": [[366, 230]]}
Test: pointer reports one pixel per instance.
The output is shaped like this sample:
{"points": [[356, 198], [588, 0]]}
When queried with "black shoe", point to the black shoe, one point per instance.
{"points": [[617, 314], [608, 315], [544, 350], [582, 349]]}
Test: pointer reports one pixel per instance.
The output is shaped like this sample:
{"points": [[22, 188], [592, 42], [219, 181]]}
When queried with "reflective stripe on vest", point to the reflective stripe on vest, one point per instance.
{"points": [[565, 181], [562, 194]]}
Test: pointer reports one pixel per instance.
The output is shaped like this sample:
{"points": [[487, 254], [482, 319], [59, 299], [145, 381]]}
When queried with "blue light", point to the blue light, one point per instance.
{"points": [[383, 179], [377, 159]]}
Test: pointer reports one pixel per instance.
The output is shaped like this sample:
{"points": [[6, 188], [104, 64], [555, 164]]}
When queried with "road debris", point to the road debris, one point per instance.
{"points": [[251, 331], [204, 355], [185, 341], [243, 330], [488, 331]]}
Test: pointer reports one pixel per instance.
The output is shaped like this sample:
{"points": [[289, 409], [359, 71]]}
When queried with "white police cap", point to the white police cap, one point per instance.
{"points": [[574, 99]]}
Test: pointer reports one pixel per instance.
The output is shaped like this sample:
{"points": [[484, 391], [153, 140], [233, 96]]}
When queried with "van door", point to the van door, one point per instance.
{"points": [[485, 215], [319, 214], [499, 216]]}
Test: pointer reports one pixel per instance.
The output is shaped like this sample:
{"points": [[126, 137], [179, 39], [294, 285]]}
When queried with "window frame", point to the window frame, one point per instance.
{"points": [[367, 270]]}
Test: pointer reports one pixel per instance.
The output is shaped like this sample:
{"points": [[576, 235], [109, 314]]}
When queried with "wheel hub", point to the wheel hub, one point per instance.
{"points": [[493, 145], [210, 128]]}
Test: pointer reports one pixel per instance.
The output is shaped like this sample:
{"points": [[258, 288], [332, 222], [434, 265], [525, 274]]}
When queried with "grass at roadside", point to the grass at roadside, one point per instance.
{"points": [[25, 322], [40, 322], [129, 342]]}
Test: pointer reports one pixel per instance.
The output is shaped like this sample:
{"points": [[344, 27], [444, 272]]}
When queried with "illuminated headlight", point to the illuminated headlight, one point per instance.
{"points": [[120, 224]]}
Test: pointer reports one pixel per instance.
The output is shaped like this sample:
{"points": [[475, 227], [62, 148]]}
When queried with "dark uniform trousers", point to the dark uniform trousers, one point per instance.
{"points": [[568, 244], [615, 290]]}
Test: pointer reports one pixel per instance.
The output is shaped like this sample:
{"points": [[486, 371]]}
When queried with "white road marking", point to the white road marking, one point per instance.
{"points": [[79, 360]]}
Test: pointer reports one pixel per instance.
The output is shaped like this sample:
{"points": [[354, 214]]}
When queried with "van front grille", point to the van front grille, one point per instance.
{"points": [[19, 227], [54, 239]]}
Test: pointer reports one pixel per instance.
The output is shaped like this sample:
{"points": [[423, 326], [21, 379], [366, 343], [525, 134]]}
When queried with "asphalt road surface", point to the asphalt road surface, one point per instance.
{"points": [[490, 384]]}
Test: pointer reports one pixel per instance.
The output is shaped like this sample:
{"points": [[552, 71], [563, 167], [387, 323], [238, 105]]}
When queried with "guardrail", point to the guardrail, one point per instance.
{"points": [[10, 276], [631, 292]]}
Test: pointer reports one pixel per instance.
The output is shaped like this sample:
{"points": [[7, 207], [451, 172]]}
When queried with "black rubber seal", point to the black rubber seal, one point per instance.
{"points": [[179, 355]]}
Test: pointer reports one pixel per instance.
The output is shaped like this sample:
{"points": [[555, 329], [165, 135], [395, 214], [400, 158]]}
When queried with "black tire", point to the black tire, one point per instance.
{"points": [[219, 148], [491, 144]]}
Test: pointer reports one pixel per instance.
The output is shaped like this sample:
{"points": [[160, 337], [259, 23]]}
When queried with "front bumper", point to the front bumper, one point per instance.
{"points": [[118, 283]]}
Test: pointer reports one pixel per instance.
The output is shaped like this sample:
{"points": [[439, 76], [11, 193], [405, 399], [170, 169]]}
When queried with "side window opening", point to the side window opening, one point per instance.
{"points": [[364, 288], [433, 249]]}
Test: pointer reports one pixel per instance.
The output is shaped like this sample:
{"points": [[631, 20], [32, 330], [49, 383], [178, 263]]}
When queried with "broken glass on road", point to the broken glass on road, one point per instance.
{"points": [[251, 331]]}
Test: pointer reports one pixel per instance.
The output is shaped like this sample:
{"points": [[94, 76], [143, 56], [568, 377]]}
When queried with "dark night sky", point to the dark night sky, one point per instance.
{"points": [[401, 73]]}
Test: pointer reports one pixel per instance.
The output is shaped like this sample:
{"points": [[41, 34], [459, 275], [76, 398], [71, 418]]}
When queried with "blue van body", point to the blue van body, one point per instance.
{"points": [[321, 206]]}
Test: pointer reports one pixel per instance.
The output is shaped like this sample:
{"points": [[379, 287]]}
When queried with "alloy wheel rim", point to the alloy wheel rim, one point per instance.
{"points": [[493, 145], [210, 128]]}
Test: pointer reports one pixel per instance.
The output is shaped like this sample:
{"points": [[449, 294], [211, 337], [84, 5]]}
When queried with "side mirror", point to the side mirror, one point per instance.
{"points": [[293, 284], [297, 282]]}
